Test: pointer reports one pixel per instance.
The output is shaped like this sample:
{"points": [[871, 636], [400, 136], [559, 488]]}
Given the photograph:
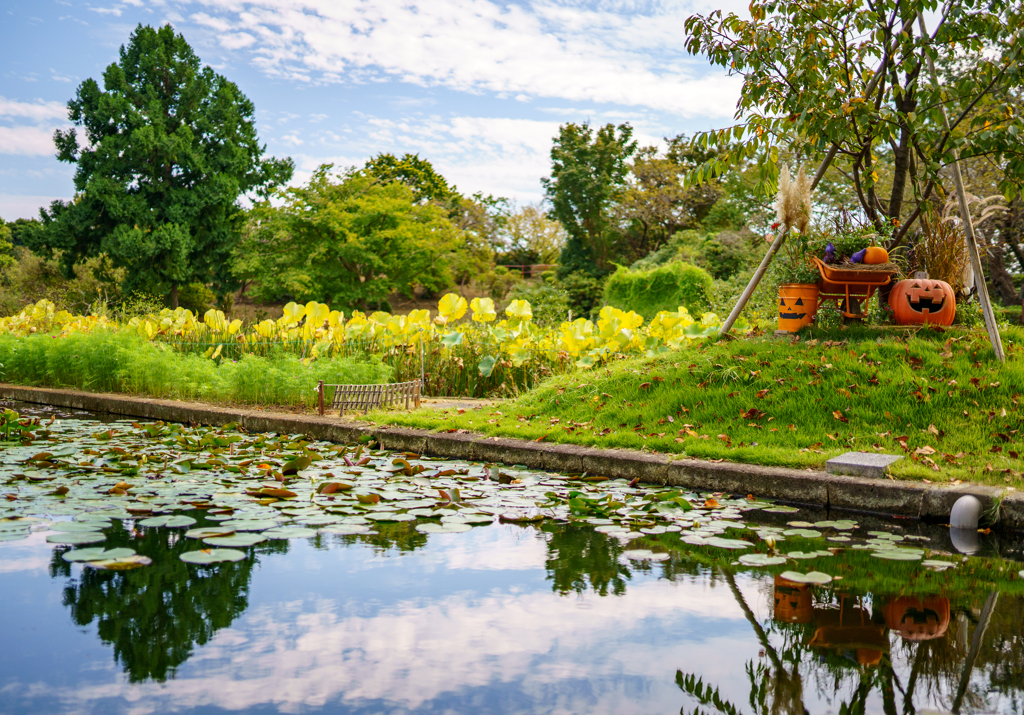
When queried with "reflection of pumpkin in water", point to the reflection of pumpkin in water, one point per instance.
{"points": [[918, 619], [917, 301], [850, 629], [793, 603]]}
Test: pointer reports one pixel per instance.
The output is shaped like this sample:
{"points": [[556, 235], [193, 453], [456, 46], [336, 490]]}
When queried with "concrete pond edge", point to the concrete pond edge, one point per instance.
{"points": [[793, 486]]}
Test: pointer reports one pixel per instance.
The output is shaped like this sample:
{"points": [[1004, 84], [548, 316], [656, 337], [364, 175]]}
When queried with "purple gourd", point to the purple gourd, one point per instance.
{"points": [[830, 253], [858, 257]]}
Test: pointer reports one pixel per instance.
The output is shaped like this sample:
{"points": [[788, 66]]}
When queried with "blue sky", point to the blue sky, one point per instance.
{"points": [[478, 87]]}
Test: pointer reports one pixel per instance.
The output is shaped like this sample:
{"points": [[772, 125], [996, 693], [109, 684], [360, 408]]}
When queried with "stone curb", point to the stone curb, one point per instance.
{"points": [[808, 487]]}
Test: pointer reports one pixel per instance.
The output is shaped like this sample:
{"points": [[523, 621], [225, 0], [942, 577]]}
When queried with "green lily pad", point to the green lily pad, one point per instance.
{"points": [[168, 521], [207, 531], [897, 555], [290, 532], [71, 527], [723, 543], [212, 556], [245, 539], [645, 555], [761, 560], [448, 528], [251, 524], [346, 529], [120, 564], [813, 577], [97, 553], [803, 533], [76, 537], [390, 516]]}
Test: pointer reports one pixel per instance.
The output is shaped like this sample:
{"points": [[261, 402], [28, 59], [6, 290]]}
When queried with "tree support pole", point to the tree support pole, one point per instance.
{"points": [[766, 261], [965, 216]]}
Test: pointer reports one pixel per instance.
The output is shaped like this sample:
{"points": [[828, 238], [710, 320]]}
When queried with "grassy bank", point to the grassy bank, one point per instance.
{"points": [[125, 362], [937, 398]]}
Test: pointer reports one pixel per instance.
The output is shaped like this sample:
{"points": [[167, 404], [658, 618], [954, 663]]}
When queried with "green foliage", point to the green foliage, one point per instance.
{"points": [[6, 245], [550, 304], [170, 147], [31, 278], [588, 173], [968, 314], [855, 77], [584, 292], [125, 362], [416, 173], [499, 281], [348, 240], [196, 297], [664, 288]]}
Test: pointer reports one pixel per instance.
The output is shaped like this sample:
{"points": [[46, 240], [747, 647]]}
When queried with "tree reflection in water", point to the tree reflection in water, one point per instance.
{"points": [[845, 647], [154, 617]]}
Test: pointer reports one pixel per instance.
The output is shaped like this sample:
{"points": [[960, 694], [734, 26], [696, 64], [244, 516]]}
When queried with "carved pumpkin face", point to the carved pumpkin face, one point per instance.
{"points": [[792, 308], [918, 619], [793, 601], [919, 301]]}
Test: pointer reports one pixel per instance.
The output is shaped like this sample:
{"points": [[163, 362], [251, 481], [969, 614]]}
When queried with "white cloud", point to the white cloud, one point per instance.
{"points": [[418, 653], [29, 141], [541, 49], [292, 140], [38, 111], [237, 40]]}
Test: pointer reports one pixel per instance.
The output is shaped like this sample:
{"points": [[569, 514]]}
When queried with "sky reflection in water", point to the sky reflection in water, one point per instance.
{"points": [[467, 622]]}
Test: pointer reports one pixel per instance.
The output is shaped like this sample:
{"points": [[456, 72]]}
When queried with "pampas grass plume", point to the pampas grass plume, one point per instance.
{"points": [[793, 202]]}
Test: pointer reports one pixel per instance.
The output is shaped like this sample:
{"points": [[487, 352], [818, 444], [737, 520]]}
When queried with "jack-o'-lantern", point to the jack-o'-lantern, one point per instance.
{"points": [[798, 304], [918, 619], [919, 301], [793, 601]]}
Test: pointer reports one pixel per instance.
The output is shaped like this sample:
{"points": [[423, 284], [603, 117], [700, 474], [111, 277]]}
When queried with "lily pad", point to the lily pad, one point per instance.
{"points": [[76, 537], [120, 564], [761, 560], [813, 577], [290, 532], [244, 539], [897, 555], [449, 528], [346, 529], [645, 555], [723, 543], [205, 557], [208, 531], [71, 527], [168, 521], [97, 553]]}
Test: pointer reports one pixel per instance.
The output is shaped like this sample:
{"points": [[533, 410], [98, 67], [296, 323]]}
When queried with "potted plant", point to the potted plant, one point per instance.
{"points": [[796, 277]]}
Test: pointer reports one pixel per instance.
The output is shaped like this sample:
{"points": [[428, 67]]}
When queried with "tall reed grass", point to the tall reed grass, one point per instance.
{"points": [[104, 361]]}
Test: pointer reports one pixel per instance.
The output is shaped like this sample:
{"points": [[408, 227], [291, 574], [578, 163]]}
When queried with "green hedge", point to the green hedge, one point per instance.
{"points": [[663, 288]]}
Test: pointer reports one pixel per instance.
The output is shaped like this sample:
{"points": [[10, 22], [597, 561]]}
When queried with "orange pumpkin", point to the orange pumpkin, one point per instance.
{"points": [[918, 619], [919, 301], [876, 254], [793, 601]]}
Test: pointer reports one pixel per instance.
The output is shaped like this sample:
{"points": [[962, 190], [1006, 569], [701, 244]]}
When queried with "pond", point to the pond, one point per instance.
{"points": [[433, 586]]}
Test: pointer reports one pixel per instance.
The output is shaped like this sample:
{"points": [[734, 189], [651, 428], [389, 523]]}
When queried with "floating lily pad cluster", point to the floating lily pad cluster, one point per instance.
{"points": [[75, 479]]}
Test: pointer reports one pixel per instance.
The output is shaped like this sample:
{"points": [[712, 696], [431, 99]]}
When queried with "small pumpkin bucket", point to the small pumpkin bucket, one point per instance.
{"points": [[798, 302]]}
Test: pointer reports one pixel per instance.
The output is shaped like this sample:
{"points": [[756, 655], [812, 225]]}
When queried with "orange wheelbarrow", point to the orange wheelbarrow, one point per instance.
{"points": [[849, 288]]}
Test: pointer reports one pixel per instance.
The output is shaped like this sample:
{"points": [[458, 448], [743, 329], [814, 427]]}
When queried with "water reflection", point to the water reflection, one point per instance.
{"points": [[155, 617]]}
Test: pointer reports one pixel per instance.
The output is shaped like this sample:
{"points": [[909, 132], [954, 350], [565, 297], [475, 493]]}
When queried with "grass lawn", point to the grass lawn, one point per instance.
{"points": [[935, 397]]}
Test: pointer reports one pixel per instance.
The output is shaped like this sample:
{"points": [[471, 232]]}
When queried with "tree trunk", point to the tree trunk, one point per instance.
{"points": [[174, 296]]}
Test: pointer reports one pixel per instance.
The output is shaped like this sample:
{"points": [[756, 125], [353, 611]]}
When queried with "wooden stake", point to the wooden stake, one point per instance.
{"points": [[965, 216]]}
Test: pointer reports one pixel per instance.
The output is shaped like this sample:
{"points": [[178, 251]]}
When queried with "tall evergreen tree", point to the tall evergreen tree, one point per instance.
{"points": [[170, 146]]}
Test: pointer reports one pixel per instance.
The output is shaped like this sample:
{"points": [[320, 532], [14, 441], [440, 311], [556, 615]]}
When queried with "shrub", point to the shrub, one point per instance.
{"points": [[196, 297], [664, 288], [583, 291], [550, 304]]}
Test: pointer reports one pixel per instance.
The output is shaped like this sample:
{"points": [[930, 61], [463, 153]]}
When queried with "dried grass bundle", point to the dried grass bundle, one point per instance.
{"points": [[942, 250], [793, 202]]}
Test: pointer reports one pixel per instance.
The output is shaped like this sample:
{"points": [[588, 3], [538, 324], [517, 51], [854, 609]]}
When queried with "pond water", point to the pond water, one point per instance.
{"points": [[537, 615]]}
